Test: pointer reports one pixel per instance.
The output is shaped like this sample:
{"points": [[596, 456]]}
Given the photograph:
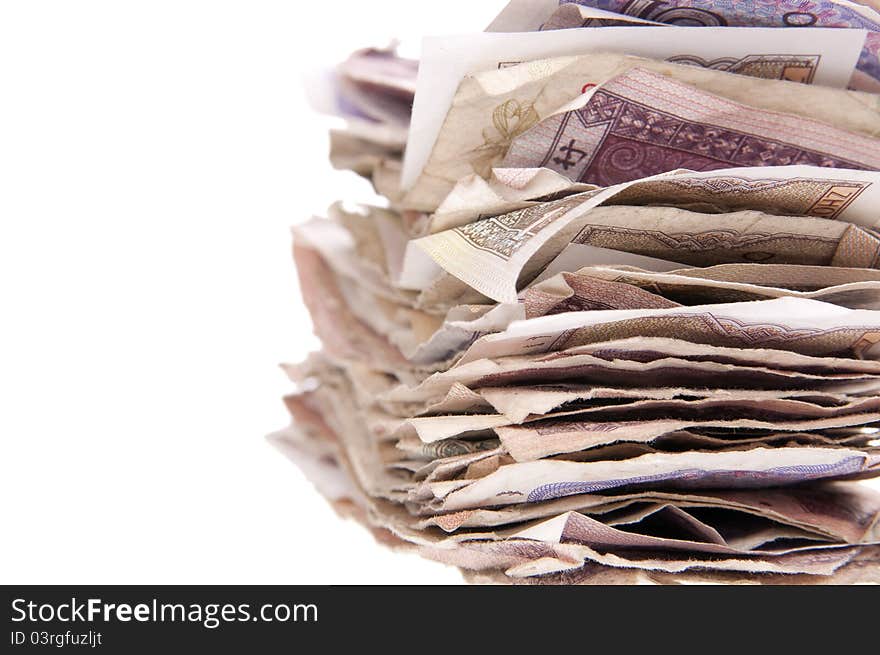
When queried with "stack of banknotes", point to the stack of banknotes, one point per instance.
{"points": [[618, 318]]}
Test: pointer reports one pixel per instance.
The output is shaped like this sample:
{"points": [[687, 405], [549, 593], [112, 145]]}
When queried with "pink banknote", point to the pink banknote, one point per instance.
{"points": [[641, 123]]}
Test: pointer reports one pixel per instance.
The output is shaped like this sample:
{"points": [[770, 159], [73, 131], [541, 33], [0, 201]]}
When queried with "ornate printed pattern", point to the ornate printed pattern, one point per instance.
{"points": [[755, 13], [549, 428], [717, 246], [799, 68], [622, 134], [504, 235], [747, 378], [604, 22], [783, 197], [709, 240], [455, 447], [589, 293], [509, 120], [725, 331], [696, 478]]}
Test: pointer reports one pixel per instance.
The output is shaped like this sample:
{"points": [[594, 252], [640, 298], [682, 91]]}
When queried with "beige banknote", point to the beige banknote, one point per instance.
{"points": [[697, 239], [840, 511], [546, 479], [642, 123], [799, 325], [575, 291], [505, 190], [548, 437], [492, 108], [651, 361], [520, 402], [612, 535], [568, 16], [342, 333], [493, 254]]}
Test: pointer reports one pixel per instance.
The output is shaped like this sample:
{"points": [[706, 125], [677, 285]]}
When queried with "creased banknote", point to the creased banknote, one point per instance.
{"points": [[640, 123], [491, 108], [776, 13], [615, 319], [799, 325], [491, 255], [546, 479]]}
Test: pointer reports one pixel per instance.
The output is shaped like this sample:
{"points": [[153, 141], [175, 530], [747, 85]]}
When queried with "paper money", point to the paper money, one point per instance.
{"points": [[523, 16], [858, 288], [377, 85], [444, 337], [567, 16], [492, 107], [778, 13], [640, 124], [577, 528], [373, 91], [542, 368], [695, 536], [661, 362], [858, 569], [599, 420], [582, 293], [491, 255], [506, 190], [839, 511], [800, 325], [543, 480], [519, 403], [339, 329], [536, 440], [445, 61], [697, 239]]}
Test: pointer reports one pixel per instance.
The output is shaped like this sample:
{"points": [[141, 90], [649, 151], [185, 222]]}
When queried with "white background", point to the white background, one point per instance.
{"points": [[152, 158]]}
